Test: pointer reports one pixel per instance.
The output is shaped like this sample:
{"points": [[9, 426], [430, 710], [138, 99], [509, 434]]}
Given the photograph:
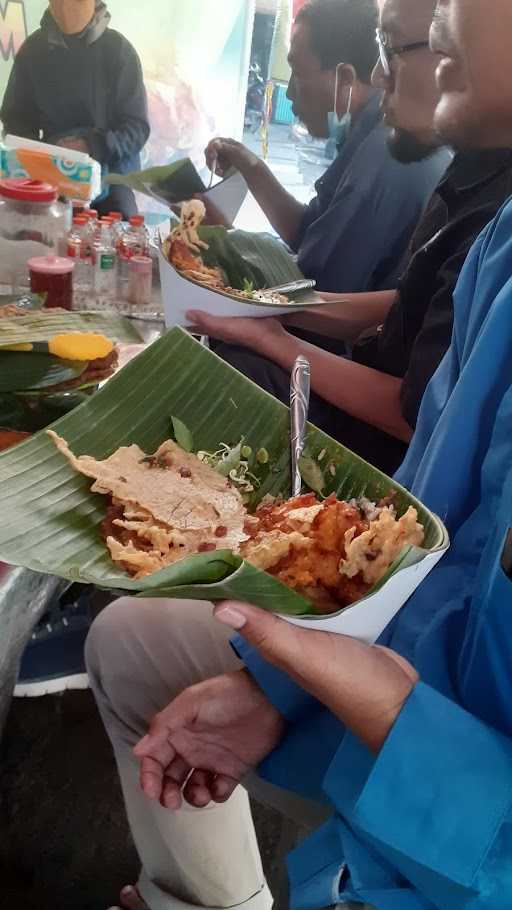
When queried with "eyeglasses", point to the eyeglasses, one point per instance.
{"points": [[387, 52]]}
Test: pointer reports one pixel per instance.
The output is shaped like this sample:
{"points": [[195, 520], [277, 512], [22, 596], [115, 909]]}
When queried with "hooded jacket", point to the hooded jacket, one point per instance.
{"points": [[87, 85]]}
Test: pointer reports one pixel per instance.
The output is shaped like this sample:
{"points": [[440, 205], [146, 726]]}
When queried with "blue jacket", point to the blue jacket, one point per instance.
{"points": [[356, 232], [428, 823]]}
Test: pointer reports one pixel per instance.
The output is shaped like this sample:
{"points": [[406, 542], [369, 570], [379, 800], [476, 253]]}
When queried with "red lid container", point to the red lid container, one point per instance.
{"points": [[25, 190]]}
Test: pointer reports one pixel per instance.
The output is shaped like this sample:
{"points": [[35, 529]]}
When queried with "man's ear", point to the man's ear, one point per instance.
{"points": [[346, 79]]}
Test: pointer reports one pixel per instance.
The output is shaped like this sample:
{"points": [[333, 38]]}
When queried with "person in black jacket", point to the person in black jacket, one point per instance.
{"points": [[78, 84]]}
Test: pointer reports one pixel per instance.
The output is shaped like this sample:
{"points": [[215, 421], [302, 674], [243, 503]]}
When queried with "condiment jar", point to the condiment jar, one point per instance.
{"points": [[140, 280], [53, 276], [29, 210], [32, 222]]}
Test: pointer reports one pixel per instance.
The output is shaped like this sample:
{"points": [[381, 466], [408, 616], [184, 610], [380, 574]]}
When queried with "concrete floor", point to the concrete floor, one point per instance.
{"points": [[296, 164], [64, 840]]}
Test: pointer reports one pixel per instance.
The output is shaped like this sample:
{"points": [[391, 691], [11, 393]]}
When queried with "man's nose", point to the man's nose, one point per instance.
{"points": [[379, 78], [291, 93]]}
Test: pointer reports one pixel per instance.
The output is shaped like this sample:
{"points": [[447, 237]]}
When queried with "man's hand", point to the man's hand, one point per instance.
{"points": [[222, 154], [75, 143], [210, 737], [366, 687], [260, 334]]}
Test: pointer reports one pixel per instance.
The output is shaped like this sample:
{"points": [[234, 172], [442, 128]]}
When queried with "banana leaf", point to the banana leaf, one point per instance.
{"points": [[43, 325], [50, 519], [170, 184], [246, 259], [23, 371], [260, 259]]}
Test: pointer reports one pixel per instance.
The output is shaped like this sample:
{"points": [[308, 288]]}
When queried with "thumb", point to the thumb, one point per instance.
{"points": [[276, 640]]}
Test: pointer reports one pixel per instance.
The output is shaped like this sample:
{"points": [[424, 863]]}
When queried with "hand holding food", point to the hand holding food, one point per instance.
{"points": [[365, 687], [235, 329]]}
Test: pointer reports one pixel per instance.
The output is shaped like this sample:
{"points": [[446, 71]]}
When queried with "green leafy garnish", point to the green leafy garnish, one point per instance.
{"points": [[182, 435], [312, 474], [230, 461]]}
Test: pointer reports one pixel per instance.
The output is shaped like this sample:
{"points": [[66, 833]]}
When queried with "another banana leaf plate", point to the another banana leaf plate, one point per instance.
{"points": [[42, 325], [51, 520], [246, 259]]}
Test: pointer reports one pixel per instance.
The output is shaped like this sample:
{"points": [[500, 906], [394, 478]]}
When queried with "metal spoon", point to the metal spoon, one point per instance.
{"points": [[300, 390], [213, 171]]}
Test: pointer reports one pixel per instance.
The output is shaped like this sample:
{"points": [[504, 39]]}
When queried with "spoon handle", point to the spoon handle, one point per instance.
{"points": [[300, 391]]}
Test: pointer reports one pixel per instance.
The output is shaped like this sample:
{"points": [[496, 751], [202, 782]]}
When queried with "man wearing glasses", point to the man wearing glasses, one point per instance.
{"points": [[387, 52], [371, 402]]}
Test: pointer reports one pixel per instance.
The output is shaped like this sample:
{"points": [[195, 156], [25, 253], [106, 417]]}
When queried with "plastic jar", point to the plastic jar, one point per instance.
{"points": [[32, 223], [140, 280], [53, 276], [29, 210]]}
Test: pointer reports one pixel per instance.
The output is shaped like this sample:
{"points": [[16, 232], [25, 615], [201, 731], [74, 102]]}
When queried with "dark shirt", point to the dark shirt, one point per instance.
{"points": [[418, 330], [89, 85], [356, 231]]}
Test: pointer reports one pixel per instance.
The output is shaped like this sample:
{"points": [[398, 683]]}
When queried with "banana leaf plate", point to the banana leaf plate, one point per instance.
{"points": [[50, 519], [42, 325], [246, 259]]}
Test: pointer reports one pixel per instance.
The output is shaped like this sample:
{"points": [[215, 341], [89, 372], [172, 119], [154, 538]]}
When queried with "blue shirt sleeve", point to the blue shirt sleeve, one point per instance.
{"points": [[436, 802]]}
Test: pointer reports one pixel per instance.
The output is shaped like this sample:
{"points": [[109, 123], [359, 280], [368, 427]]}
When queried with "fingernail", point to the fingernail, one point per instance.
{"points": [[127, 892], [230, 617]]}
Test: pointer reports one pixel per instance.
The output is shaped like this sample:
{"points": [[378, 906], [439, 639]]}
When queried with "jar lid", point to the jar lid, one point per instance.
{"points": [[116, 216], [51, 265], [137, 220], [25, 190], [141, 263]]}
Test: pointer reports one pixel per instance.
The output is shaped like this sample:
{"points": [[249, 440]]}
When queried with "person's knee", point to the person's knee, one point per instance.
{"points": [[107, 634]]}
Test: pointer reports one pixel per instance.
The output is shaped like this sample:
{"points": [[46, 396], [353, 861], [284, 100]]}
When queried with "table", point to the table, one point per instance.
{"points": [[24, 597]]}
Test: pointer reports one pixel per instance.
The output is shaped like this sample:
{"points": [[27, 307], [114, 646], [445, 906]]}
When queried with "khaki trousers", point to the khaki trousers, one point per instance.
{"points": [[140, 655]]}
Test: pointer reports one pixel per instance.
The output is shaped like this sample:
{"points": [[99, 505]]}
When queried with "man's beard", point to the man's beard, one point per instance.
{"points": [[406, 148]]}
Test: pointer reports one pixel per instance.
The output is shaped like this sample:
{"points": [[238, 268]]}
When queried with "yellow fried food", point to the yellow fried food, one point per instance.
{"points": [[80, 346]]}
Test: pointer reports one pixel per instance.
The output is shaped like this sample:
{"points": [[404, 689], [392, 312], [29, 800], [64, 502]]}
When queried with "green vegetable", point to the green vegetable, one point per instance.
{"points": [[182, 435], [312, 474]]}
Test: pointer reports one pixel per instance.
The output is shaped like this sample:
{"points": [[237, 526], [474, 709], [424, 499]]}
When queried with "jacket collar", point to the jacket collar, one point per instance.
{"points": [[91, 33]]}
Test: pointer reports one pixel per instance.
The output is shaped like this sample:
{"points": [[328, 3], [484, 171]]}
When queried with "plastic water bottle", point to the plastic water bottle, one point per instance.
{"points": [[78, 249], [105, 260], [132, 242]]}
